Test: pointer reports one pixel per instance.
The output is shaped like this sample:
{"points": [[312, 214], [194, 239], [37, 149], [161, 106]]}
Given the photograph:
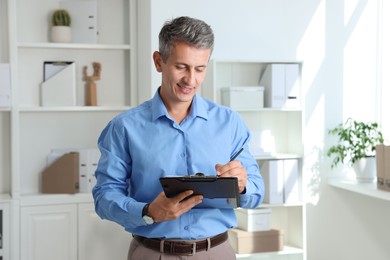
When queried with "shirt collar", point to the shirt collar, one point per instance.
{"points": [[198, 107]]}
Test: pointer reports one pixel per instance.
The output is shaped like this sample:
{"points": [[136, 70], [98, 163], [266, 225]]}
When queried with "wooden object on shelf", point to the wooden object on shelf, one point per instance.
{"points": [[90, 85]]}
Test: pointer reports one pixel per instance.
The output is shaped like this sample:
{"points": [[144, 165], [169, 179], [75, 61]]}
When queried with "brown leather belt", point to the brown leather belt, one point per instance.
{"points": [[181, 248]]}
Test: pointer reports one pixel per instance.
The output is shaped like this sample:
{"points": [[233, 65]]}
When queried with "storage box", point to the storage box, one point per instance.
{"points": [[254, 219], [244, 242], [243, 97]]}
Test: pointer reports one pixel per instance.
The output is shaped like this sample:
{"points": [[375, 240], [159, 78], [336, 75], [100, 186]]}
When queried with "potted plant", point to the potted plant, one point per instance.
{"points": [[356, 147], [61, 22]]}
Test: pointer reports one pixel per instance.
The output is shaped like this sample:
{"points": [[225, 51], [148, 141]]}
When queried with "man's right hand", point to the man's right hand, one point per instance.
{"points": [[163, 208]]}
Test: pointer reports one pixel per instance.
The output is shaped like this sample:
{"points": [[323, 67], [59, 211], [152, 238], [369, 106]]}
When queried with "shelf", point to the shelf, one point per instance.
{"points": [[5, 197], [278, 156], [265, 205], [287, 250], [270, 109], [74, 109], [366, 189], [55, 199], [48, 45]]}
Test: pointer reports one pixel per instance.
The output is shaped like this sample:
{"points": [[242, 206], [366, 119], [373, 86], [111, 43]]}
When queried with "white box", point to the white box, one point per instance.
{"points": [[244, 242], [254, 219], [244, 97]]}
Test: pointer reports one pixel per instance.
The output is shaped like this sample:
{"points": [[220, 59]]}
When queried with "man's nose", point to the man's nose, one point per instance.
{"points": [[190, 77]]}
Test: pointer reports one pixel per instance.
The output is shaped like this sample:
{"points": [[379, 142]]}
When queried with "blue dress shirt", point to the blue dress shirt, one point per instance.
{"points": [[144, 143]]}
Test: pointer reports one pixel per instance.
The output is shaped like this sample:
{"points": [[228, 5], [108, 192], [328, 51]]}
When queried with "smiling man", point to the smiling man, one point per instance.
{"points": [[176, 133]]}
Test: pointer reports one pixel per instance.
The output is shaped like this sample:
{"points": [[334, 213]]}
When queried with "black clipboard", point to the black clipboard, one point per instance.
{"points": [[219, 192]]}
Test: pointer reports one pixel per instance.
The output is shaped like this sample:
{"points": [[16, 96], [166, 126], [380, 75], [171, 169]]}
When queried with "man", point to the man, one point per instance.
{"points": [[176, 133]]}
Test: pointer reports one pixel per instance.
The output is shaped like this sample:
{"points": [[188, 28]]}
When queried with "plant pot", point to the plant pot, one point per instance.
{"points": [[365, 169], [61, 34]]}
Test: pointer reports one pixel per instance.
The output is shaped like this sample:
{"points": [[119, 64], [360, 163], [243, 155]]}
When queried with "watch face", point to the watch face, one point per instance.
{"points": [[148, 220]]}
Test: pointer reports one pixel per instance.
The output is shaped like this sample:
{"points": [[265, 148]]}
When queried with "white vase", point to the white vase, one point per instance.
{"points": [[61, 34], [365, 169]]}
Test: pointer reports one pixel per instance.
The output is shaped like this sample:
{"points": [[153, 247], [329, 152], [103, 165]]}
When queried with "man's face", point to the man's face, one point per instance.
{"points": [[182, 73]]}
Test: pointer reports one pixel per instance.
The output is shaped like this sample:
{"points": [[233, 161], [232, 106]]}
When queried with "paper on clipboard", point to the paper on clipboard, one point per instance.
{"points": [[59, 86], [50, 68]]}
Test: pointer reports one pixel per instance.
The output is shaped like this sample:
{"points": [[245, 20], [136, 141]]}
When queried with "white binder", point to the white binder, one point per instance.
{"points": [[282, 85], [84, 20], [5, 85]]}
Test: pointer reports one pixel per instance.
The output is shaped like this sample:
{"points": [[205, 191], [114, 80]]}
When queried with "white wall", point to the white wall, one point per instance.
{"points": [[336, 40]]}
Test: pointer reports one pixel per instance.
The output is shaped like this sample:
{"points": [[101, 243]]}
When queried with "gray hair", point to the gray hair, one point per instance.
{"points": [[185, 29]]}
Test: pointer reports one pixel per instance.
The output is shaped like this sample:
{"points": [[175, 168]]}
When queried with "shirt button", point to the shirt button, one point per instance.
{"points": [[186, 227], [183, 155]]}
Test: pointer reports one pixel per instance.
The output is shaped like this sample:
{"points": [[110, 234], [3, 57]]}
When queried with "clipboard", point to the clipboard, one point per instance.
{"points": [[217, 192]]}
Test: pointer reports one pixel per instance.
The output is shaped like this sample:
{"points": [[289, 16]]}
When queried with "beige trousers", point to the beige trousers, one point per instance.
{"points": [[223, 251]]}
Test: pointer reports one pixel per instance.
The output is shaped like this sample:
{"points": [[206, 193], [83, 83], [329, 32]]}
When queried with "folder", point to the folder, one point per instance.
{"points": [[87, 165], [59, 87], [62, 176], [272, 172], [291, 175]]}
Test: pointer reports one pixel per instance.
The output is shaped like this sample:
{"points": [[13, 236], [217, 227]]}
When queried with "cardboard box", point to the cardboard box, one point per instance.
{"points": [[244, 242], [243, 97], [87, 164], [387, 166], [62, 176], [254, 219], [380, 166]]}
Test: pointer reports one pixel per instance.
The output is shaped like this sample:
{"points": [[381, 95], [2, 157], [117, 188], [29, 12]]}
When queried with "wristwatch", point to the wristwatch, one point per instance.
{"points": [[148, 220]]}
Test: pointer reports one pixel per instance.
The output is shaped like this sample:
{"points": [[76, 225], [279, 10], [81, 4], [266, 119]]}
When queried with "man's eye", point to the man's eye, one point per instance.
{"points": [[201, 69]]}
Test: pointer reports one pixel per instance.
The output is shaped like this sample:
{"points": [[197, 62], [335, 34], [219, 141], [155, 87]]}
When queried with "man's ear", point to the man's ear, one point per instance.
{"points": [[157, 60]]}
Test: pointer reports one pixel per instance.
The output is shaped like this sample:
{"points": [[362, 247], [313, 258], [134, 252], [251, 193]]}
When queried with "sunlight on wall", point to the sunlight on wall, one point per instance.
{"points": [[349, 8], [315, 154], [385, 80], [312, 47], [360, 63]]}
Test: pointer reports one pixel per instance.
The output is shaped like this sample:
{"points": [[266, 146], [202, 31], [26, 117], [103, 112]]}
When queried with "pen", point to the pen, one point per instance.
{"points": [[237, 154]]}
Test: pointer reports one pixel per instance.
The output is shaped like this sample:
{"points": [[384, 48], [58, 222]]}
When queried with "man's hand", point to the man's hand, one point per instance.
{"points": [[233, 169], [164, 209]]}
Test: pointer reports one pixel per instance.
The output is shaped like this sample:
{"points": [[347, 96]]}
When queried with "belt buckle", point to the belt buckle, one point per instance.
{"points": [[193, 249]]}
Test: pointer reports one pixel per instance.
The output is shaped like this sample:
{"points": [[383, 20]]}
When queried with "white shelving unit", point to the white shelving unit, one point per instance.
{"points": [[36, 129], [39, 129], [5, 112], [286, 126], [5, 227]]}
